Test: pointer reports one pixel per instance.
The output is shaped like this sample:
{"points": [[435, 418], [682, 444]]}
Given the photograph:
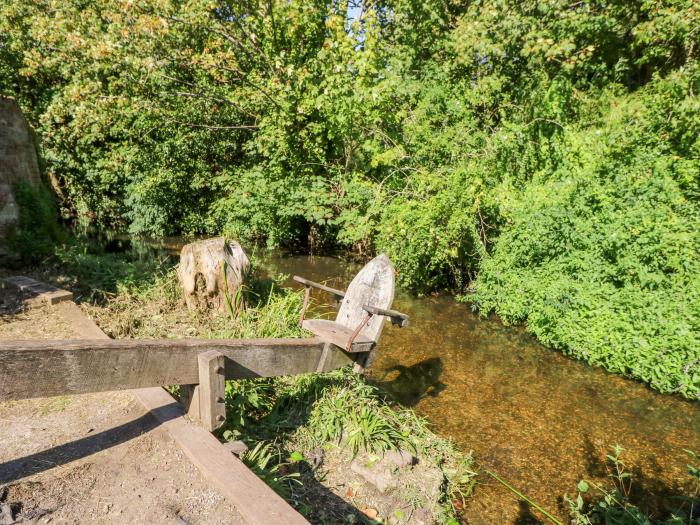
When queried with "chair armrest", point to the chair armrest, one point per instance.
{"points": [[310, 284], [396, 318]]}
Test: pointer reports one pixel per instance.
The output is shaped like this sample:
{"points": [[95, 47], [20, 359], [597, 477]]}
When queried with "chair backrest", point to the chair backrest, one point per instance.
{"points": [[373, 286]]}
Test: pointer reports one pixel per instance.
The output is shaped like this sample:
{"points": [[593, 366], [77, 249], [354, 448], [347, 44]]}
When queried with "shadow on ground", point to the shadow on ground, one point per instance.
{"points": [[23, 467]]}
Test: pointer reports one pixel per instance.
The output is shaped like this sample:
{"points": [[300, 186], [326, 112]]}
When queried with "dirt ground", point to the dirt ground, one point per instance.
{"points": [[96, 458]]}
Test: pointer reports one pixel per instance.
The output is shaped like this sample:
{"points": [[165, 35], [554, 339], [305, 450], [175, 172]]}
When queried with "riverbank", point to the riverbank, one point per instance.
{"points": [[540, 421]]}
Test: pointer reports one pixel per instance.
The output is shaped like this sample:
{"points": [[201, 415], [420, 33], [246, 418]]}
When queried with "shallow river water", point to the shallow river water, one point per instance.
{"points": [[537, 419]]}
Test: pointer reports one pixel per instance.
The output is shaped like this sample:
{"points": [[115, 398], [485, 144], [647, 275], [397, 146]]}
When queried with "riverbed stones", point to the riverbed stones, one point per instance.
{"points": [[211, 272]]}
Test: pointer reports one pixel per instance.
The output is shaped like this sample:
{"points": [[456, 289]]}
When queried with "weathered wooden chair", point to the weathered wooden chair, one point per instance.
{"points": [[363, 310]]}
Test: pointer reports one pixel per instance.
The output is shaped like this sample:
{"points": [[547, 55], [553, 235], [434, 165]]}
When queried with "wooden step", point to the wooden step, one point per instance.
{"points": [[37, 292], [337, 334]]}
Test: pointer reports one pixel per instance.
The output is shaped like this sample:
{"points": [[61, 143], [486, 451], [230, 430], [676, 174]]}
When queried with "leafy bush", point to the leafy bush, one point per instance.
{"points": [[37, 230], [600, 258]]}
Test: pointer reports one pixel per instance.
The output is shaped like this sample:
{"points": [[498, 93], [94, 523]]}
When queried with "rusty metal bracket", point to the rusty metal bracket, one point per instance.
{"points": [[365, 320], [305, 305]]}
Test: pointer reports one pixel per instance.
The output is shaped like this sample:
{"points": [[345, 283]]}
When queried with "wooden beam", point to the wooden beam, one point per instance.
{"points": [[253, 499], [339, 294], [35, 368], [211, 390]]}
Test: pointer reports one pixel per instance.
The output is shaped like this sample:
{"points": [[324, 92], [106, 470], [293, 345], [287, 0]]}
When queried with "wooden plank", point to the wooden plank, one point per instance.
{"points": [[189, 399], [36, 291], [339, 335], [50, 368], [373, 286], [257, 503], [79, 321]]}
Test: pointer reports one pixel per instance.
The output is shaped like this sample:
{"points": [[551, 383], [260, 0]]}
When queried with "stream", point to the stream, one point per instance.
{"points": [[536, 418]]}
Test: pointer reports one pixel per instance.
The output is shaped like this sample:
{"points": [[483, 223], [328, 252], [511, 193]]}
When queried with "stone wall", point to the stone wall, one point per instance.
{"points": [[18, 160]]}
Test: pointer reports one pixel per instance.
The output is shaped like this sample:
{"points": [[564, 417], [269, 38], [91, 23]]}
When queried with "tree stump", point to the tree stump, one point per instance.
{"points": [[209, 270]]}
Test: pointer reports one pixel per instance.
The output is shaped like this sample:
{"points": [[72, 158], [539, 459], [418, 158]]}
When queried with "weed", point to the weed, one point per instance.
{"points": [[614, 506], [264, 460]]}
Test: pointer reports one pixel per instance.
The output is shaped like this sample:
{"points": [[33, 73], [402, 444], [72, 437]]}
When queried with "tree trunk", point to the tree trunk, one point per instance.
{"points": [[209, 270]]}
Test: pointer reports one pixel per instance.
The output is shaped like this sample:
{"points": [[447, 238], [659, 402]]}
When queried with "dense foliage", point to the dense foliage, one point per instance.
{"points": [[544, 153], [37, 231]]}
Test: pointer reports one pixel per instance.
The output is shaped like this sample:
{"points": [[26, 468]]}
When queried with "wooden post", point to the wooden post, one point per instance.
{"points": [[205, 402], [189, 399]]}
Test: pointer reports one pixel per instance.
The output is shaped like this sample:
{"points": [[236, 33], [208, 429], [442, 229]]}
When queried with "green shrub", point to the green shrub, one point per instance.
{"points": [[37, 231], [599, 259]]}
